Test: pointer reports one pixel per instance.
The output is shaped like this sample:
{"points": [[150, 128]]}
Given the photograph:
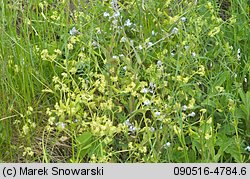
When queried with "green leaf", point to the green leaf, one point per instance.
{"points": [[84, 138], [227, 145], [227, 129], [83, 143], [223, 77]]}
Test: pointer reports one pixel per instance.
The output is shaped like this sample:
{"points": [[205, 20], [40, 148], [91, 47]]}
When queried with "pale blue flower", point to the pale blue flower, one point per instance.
{"points": [[175, 30], [184, 108], [152, 129], [247, 148], [146, 103], [153, 33], [106, 14], [117, 14], [192, 114], [150, 44], [127, 122], [167, 145], [144, 90], [157, 113], [123, 39], [128, 23], [159, 63], [73, 31], [115, 57], [238, 54], [183, 19]]}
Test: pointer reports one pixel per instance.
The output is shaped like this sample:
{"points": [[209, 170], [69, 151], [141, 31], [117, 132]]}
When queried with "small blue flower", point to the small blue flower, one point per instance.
{"points": [[157, 113], [247, 148], [144, 90], [146, 103], [183, 19], [167, 145], [73, 31], [128, 23], [123, 39], [184, 108], [106, 14], [152, 129], [175, 30], [159, 63], [192, 114]]}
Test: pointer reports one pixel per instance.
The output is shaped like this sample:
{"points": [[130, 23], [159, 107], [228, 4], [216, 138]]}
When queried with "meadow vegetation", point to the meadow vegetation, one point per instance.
{"points": [[125, 81]]}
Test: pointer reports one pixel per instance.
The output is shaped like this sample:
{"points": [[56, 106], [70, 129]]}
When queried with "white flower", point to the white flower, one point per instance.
{"points": [[192, 114], [114, 4], [153, 33], [152, 129], [211, 65], [144, 90], [207, 136], [238, 54], [117, 14], [123, 39], [172, 53], [184, 108], [175, 30], [132, 129], [127, 122], [247, 148], [61, 125], [106, 14], [193, 54], [140, 47], [73, 31], [157, 113], [183, 19], [94, 44], [150, 44], [159, 63], [98, 31], [168, 144], [146, 103], [115, 21], [128, 23], [152, 85], [186, 47], [159, 119], [115, 57], [124, 68]]}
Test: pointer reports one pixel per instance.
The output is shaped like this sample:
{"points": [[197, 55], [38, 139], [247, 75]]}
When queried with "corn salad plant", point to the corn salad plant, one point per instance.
{"points": [[125, 81]]}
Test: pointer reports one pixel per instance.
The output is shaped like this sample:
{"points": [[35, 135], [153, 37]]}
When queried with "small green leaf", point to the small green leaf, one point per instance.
{"points": [[83, 143], [223, 77], [84, 138]]}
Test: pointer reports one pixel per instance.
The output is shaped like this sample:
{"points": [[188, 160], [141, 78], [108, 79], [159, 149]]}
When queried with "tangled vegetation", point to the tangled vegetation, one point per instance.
{"points": [[125, 81]]}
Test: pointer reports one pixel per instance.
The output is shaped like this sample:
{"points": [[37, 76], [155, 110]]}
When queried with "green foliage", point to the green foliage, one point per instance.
{"points": [[164, 81]]}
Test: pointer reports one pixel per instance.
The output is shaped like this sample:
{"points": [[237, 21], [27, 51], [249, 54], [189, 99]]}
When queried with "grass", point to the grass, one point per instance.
{"points": [[143, 81]]}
